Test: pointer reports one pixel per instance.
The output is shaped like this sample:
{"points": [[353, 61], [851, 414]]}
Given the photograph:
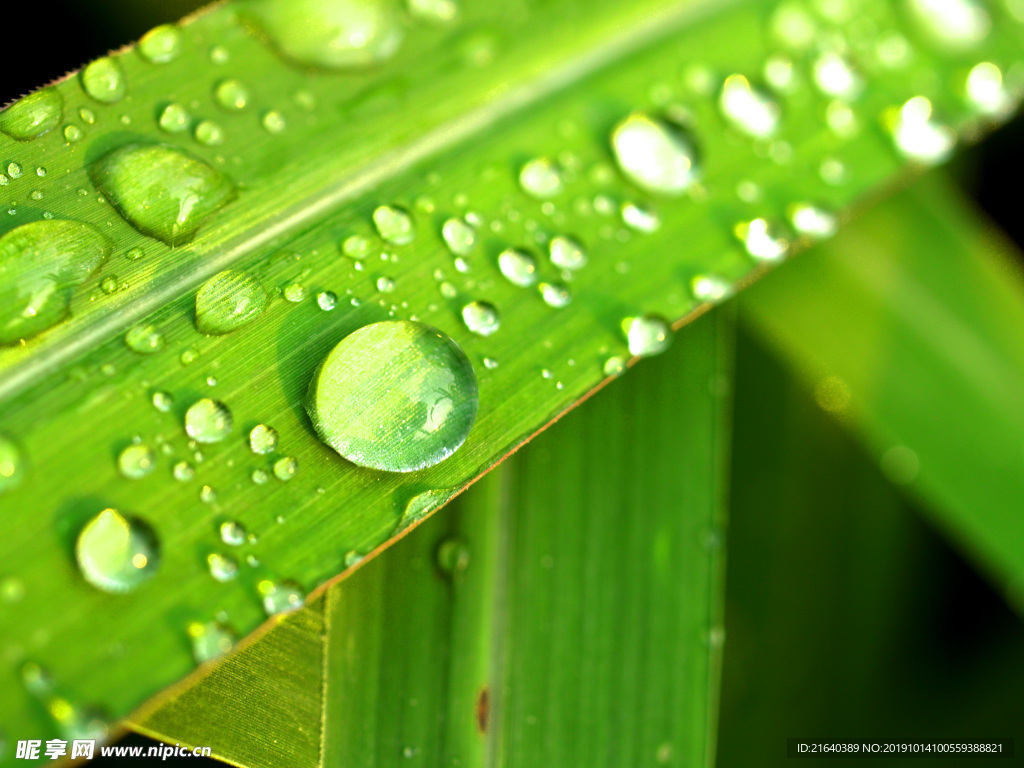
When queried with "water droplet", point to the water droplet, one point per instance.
{"points": [[750, 110], [566, 253], [459, 236], [518, 267], [647, 335], [834, 76], [778, 73], [260, 477], [452, 556], [352, 557], [210, 640], [220, 55], [710, 288], [555, 295], [394, 225], [232, 533], [917, 136], [295, 293], [174, 118], [104, 81], [639, 218], [327, 300], [183, 472], [136, 461], [953, 24], [14, 170], [162, 401], [115, 553], [274, 122], [540, 178], [655, 155], [448, 290], [161, 44], [33, 115], [355, 247], [481, 318], [490, 363], [12, 467], [396, 396], [442, 11], [144, 339], [207, 495], [385, 285], [263, 439], [160, 190], [231, 94], [72, 133], [332, 34], [41, 262], [986, 91], [614, 366], [227, 301], [208, 421], [209, 134], [222, 567], [285, 468], [812, 221], [280, 598], [794, 26]]}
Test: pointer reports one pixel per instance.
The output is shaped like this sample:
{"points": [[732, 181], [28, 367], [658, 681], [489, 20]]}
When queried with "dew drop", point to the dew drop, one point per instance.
{"points": [[295, 293], [762, 241], [490, 363], [207, 495], [655, 155], [540, 178], [33, 115], [986, 91], [219, 55], [14, 170], [917, 136], [229, 300], [136, 461], [115, 554], [161, 44], [647, 335], [144, 339], [280, 598], [232, 533], [710, 288], [174, 118], [183, 472], [263, 439], [750, 110], [160, 190], [555, 295], [396, 396], [208, 421], [41, 262], [104, 81], [640, 218], [162, 401], [222, 567], [12, 466], [209, 134], [459, 236], [953, 24], [566, 253], [231, 94], [327, 300], [285, 468], [452, 556], [274, 122], [260, 476], [835, 77], [385, 285], [210, 640], [812, 221], [394, 225], [481, 318], [614, 366], [72, 133], [518, 267]]}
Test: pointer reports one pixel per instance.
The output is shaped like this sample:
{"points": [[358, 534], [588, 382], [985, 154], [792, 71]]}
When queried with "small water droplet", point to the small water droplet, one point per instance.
{"points": [[459, 236], [295, 293], [72, 133], [208, 421], [220, 55], [116, 554], [161, 44], [779, 74], [385, 285], [285, 468], [207, 494], [750, 110], [227, 301], [33, 115], [490, 363], [274, 122], [162, 401], [812, 221], [356, 247], [12, 466], [394, 224], [834, 76], [647, 335], [263, 439], [327, 300], [281, 597], [710, 288], [540, 178], [655, 155], [566, 253], [481, 318], [222, 567], [794, 26], [136, 461], [614, 366], [352, 557], [917, 136], [104, 81], [183, 472], [423, 393], [518, 267], [144, 339], [231, 94], [12, 589], [232, 533], [640, 218], [189, 356], [14, 170], [555, 295], [174, 118], [210, 640], [260, 476], [209, 133], [452, 556], [900, 464], [762, 240]]}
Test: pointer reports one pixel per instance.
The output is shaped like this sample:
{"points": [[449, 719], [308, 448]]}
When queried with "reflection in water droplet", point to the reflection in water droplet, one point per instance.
{"points": [[423, 397], [285, 468], [647, 335], [640, 218], [518, 267], [116, 554], [442, 11], [540, 178], [327, 300], [104, 81], [210, 640], [227, 301], [566, 253], [136, 461], [555, 295], [459, 236], [174, 118], [834, 76], [222, 567], [33, 115], [295, 293], [762, 241], [452, 556], [72, 133], [710, 288], [917, 136], [162, 401], [161, 44], [655, 155], [750, 110], [183, 472], [231, 94], [274, 122], [232, 533], [481, 318], [208, 421], [209, 133], [394, 224], [263, 439]]}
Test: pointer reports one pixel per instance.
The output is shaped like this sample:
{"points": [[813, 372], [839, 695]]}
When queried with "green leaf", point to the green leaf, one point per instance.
{"points": [[567, 609], [908, 326], [466, 128]]}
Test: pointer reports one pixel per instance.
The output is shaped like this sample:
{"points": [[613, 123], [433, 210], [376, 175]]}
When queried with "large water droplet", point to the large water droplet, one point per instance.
{"points": [[333, 34], [136, 461], [518, 267], [210, 640], [655, 155], [750, 110], [481, 317], [394, 224], [40, 263], [953, 24], [161, 44], [540, 178], [396, 395], [281, 597], [647, 335], [33, 115], [459, 236], [566, 253], [160, 190], [208, 421], [263, 439], [116, 554], [12, 466], [917, 136], [104, 80], [229, 300]]}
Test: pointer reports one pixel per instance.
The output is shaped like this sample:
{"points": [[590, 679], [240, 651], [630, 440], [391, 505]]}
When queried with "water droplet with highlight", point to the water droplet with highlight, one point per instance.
{"points": [[229, 300], [162, 191], [273, 121], [566, 253], [12, 466], [330, 34], [986, 91], [33, 115], [72, 133], [222, 567], [161, 44], [144, 338], [136, 461], [14, 170], [394, 224], [438, 11], [295, 293], [104, 81], [481, 318], [953, 24], [452, 556], [183, 472], [614, 366], [396, 396], [116, 554], [811, 221], [655, 155], [263, 439], [917, 136], [750, 110], [207, 495], [40, 264], [210, 640], [647, 335], [208, 421], [162, 401], [174, 118], [285, 468], [518, 267], [640, 218], [209, 134], [231, 94], [327, 300], [762, 241], [232, 533], [834, 76], [540, 178], [459, 236], [710, 288], [555, 295], [385, 285]]}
